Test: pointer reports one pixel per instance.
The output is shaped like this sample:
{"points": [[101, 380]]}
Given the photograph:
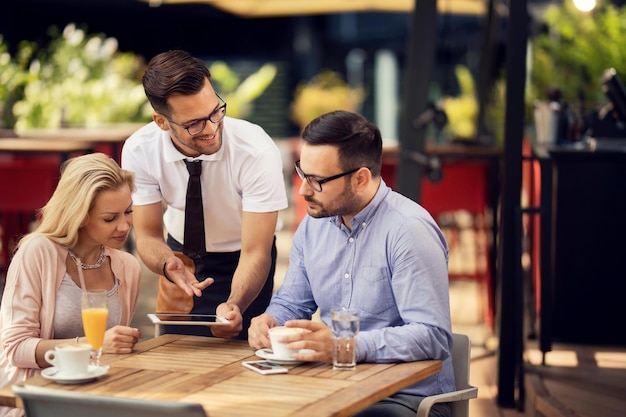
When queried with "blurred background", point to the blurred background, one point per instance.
{"points": [[71, 69]]}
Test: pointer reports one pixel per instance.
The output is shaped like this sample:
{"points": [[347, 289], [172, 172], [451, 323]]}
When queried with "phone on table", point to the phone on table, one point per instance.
{"points": [[265, 367]]}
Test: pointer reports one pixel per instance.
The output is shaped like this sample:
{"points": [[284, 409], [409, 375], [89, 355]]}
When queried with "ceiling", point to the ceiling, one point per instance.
{"points": [[276, 8]]}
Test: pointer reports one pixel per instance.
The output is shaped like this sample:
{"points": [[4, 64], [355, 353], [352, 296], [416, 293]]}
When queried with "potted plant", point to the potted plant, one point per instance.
{"points": [[78, 80], [325, 92], [12, 79], [573, 53]]}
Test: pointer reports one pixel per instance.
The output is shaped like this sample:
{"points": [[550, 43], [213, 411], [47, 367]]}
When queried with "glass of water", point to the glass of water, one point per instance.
{"points": [[345, 324]]}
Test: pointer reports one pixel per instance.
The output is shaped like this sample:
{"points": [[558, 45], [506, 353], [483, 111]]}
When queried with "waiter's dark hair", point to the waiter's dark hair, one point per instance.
{"points": [[173, 72]]}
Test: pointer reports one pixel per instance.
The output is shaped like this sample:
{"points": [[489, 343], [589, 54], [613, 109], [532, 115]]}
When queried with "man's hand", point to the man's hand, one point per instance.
{"points": [[258, 337], [319, 339], [231, 312], [176, 272]]}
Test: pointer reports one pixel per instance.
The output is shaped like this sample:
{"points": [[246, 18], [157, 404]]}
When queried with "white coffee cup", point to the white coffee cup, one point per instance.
{"points": [[72, 359], [280, 349]]}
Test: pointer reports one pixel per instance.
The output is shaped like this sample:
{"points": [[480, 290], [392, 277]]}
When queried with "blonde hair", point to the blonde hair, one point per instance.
{"points": [[82, 179]]}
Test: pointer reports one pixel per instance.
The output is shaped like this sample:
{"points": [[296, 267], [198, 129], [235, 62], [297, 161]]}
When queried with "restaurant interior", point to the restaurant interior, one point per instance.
{"points": [[496, 117]]}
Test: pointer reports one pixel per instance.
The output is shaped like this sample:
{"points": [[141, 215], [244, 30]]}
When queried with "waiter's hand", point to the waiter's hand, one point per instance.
{"points": [[177, 272], [231, 312]]}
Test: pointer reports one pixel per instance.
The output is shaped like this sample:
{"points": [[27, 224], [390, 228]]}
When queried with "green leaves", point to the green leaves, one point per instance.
{"points": [[77, 80], [240, 94], [575, 51]]}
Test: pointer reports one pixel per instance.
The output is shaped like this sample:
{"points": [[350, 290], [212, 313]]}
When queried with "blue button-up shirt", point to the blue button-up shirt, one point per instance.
{"points": [[392, 267]]}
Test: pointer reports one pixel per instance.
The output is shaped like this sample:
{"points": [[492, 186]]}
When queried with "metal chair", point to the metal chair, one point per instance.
{"points": [[459, 399], [40, 402]]}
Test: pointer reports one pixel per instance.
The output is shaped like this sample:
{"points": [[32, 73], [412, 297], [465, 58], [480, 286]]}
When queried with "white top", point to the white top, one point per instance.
{"points": [[68, 321], [246, 174]]}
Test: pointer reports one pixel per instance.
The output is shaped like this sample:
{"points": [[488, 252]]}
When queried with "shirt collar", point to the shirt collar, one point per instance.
{"points": [[368, 212]]}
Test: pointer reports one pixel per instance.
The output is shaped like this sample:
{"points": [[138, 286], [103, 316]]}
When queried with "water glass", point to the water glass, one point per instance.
{"points": [[345, 325]]}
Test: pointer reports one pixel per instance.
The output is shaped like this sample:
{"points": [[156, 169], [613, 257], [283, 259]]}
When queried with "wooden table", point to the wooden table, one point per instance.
{"points": [[209, 371]]}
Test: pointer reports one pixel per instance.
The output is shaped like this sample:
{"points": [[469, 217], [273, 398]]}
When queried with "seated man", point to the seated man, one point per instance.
{"points": [[370, 248]]}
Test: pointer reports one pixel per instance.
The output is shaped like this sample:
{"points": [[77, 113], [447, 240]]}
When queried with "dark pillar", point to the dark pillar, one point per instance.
{"points": [[420, 58], [510, 362], [486, 73]]}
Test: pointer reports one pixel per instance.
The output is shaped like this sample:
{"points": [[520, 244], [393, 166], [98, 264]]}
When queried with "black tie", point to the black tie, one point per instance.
{"points": [[194, 245]]}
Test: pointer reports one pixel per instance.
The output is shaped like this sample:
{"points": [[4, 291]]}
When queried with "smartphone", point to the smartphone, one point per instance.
{"points": [[188, 319], [265, 367]]}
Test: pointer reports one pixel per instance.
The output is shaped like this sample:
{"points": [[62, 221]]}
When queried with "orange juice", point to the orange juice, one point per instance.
{"points": [[95, 324]]}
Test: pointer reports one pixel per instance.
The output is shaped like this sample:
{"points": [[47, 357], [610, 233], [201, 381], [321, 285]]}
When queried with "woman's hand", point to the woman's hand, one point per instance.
{"points": [[121, 339]]}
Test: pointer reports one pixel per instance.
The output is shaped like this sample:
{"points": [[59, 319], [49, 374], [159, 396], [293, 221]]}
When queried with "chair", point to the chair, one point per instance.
{"points": [[40, 402], [459, 399]]}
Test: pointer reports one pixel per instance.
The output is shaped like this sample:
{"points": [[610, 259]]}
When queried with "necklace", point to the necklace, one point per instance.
{"points": [[98, 263]]}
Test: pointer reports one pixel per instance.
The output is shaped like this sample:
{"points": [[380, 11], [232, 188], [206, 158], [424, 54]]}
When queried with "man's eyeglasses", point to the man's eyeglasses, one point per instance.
{"points": [[199, 125], [316, 184]]}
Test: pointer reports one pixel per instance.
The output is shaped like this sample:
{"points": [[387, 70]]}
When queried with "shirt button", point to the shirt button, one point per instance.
{"points": [[351, 240], [363, 224], [346, 276]]}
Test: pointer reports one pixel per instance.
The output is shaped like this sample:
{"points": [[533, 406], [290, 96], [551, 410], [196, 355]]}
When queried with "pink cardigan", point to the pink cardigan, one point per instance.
{"points": [[28, 303]]}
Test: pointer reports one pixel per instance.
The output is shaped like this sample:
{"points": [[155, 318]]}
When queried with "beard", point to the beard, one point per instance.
{"points": [[344, 204]]}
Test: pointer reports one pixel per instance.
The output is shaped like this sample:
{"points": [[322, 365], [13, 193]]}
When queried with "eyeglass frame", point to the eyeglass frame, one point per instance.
{"points": [[312, 181], [203, 121]]}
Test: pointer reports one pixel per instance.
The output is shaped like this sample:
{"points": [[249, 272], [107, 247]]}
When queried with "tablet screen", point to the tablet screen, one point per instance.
{"points": [[188, 319]]}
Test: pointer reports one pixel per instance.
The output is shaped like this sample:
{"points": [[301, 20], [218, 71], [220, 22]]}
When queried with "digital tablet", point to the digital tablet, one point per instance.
{"points": [[188, 319]]}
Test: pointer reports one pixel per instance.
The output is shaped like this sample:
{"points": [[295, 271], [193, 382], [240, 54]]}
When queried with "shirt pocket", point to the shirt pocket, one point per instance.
{"points": [[375, 295]]}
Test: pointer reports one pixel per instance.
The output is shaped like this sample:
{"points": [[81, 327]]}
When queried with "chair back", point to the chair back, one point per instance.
{"points": [[461, 360], [47, 402], [459, 398], [461, 364]]}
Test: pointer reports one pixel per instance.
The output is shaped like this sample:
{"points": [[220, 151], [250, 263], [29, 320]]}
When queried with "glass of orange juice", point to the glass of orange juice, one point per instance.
{"points": [[95, 311]]}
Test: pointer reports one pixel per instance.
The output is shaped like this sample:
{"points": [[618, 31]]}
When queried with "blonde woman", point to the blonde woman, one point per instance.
{"points": [[85, 223]]}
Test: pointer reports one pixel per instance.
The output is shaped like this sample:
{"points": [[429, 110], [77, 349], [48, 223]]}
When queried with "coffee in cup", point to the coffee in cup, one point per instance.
{"points": [[72, 359], [280, 349]]}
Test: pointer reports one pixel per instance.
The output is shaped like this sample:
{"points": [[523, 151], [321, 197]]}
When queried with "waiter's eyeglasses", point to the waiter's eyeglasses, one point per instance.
{"points": [[199, 125]]}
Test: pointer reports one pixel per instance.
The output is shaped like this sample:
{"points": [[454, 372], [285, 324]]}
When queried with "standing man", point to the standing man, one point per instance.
{"points": [[239, 170], [367, 247]]}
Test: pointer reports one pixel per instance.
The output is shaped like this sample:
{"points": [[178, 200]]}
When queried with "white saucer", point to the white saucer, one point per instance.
{"points": [[93, 372], [268, 355]]}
